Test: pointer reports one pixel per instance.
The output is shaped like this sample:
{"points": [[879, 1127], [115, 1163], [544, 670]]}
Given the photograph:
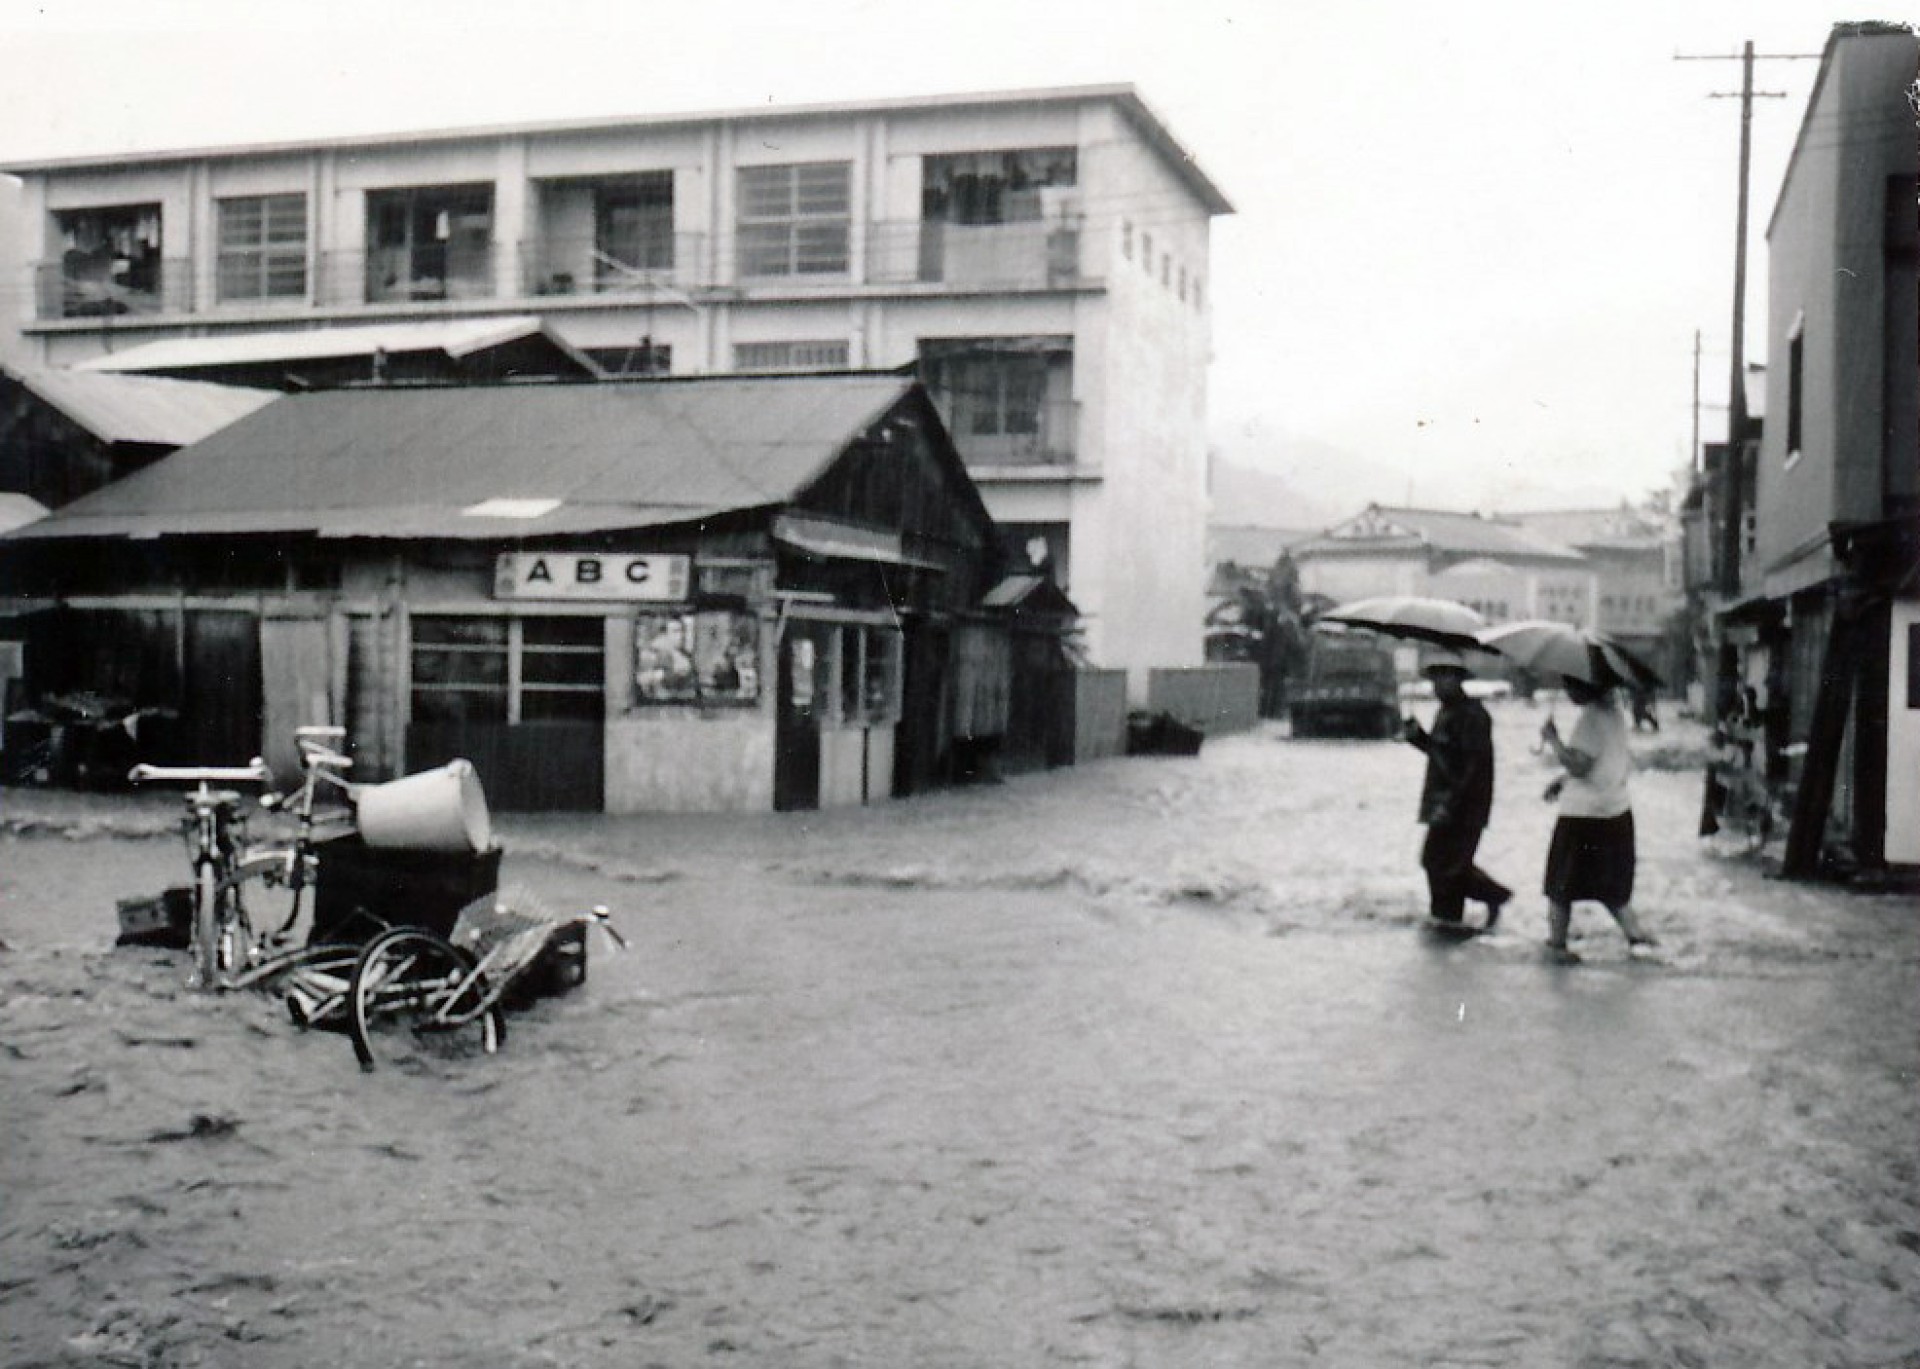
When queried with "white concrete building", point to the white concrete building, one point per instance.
{"points": [[1041, 256]]}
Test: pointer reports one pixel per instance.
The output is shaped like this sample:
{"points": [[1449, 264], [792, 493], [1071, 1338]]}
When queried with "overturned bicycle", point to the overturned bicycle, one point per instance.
{"points": [[393, 930]]}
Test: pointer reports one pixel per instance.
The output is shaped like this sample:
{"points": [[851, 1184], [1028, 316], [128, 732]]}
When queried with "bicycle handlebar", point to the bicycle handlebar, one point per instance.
{"points": [[313, 753], [255, 773]]}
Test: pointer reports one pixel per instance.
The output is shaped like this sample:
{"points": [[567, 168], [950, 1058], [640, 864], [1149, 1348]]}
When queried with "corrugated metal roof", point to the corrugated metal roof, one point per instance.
{"points": [[406, 462], [18, 510], [455, 337], [146, 409]]}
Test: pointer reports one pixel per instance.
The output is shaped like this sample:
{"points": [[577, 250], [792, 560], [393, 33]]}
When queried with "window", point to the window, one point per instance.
{"points": [[110, 260], [794, 220], [1796, 381], [790, 356], [1003, 399], [633, 228], [430, 242], [847, 674], [1126, 239], [508, 670], [263, 247], [1146, 253], [993, 187], [994, 395], [1196, 292], [711, 656]]}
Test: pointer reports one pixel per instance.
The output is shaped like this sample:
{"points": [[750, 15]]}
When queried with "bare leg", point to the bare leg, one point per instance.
{"points": [[1636, 934], [1559, 920]]}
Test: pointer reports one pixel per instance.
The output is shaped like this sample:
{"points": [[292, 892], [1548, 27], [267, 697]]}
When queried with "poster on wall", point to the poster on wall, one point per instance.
{"points": [[712, 656]]}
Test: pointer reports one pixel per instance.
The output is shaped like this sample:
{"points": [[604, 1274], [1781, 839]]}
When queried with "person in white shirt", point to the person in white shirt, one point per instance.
{"points": [[1591, 855]]}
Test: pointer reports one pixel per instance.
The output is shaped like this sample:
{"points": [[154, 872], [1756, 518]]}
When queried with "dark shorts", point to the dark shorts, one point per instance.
{"points": [[1591, 858]]}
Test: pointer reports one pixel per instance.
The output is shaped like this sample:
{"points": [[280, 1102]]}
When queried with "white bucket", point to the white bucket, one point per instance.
{"points": [[435, 810]]}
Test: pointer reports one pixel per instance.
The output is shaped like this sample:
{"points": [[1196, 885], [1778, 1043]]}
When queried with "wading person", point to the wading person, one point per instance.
{"points": [[1457, 796], [1592, 852]]}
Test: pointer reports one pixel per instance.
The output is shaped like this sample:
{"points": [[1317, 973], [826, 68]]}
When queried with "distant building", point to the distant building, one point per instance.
{"points": [[1635, 555], [1505, 570], [1039, 258], [1615, 570]]}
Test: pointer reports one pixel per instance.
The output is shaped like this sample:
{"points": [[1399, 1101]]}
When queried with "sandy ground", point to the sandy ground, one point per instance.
{"points": [[1145, 1063]]}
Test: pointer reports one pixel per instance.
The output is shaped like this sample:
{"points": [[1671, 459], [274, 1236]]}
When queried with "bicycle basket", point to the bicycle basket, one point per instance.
{"points": [[506, 932]]}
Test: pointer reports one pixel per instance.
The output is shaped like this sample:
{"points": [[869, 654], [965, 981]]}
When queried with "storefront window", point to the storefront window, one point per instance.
{"points": [[853, 668], [711, 656], [508, 670], [460, 669]]}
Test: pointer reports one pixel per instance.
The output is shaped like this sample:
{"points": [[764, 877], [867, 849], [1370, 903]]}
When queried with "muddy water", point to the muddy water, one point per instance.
{"points": [[1146, 1064]]}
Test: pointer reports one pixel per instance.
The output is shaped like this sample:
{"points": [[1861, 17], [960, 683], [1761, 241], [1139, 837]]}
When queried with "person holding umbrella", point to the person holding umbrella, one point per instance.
{"points": [[1591, 855], [1457, 795]]}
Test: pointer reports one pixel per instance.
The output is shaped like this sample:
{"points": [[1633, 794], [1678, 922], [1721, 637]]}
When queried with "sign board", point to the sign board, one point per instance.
{"points": [[592, 575]]}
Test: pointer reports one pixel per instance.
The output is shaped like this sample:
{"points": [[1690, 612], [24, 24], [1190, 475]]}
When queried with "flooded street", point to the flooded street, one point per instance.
{"points": [[1144, 1063]]}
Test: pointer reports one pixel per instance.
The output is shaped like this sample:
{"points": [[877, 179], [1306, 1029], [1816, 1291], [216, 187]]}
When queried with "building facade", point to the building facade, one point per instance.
{"points": [[717, 594], [1825, 626], [1040, 258]]}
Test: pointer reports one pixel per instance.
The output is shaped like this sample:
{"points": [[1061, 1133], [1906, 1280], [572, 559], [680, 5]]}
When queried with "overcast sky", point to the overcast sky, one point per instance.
{"points": [[1473, 241]]}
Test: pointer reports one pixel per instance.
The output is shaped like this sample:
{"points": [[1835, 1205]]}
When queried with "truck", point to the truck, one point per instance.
{"points": [[1350, 689]]}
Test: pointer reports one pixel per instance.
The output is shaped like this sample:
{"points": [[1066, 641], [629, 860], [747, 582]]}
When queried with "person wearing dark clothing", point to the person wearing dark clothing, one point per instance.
{"points": [[1457, 797]]}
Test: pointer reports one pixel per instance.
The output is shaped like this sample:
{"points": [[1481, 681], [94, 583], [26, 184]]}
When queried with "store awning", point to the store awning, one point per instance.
{"points": [[845, 542]]}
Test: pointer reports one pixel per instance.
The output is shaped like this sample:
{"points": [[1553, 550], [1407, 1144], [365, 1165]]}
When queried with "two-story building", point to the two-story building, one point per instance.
{"points": [[1040, 258], [1827, 618]]}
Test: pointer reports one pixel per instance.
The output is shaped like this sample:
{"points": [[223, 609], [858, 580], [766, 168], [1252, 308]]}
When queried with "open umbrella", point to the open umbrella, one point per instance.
{"points": [[1442, 622], [1550, 648]]}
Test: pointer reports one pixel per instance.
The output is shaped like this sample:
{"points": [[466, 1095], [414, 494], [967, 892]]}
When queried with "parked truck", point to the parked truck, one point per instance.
{"points": [[1350, 689]]}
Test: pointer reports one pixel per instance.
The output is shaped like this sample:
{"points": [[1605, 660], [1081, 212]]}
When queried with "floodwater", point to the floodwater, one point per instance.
{"points": [[1138, 1064]]}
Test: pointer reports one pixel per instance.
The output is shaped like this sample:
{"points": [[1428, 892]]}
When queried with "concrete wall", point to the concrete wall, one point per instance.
{"points": [[1903, 738], [1145, 398], [1215, 699], [1099, 714], [681, 761]]}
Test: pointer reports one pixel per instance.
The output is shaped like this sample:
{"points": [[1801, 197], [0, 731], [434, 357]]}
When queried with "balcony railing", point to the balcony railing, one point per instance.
{"points": [[96, 289], [1034, 255], [1042, 436], [646, 263]]}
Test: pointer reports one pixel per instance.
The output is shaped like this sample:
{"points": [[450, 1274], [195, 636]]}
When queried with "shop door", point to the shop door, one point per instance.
{"points": [[923, 735], [796, 761], [526, 767], [524, 699], [220, 707]]}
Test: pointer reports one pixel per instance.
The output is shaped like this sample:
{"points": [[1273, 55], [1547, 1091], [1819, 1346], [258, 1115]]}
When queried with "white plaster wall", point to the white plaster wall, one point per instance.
{"points": [[683, 761], [1150, 379], [1903, 741]]}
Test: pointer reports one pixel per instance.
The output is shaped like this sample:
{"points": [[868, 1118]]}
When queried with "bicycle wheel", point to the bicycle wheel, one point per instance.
{"points": [[415, 998]]}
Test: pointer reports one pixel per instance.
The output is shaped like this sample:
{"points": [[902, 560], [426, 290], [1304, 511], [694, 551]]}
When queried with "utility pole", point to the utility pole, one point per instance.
{"points": [[1732, 481], [1693, 452]]}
